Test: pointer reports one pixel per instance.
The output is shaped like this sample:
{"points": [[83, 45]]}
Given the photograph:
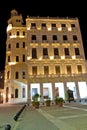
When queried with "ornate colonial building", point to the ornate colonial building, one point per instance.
{"points": [[45, 56]]}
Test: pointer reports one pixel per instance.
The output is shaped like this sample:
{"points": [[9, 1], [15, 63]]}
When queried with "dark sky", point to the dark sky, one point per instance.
{"points": [[52, 8]]}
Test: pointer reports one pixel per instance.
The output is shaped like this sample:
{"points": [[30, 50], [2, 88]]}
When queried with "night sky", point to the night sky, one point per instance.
{"points": [[52, 8]]}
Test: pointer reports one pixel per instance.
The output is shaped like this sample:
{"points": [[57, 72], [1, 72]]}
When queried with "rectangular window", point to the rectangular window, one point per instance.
{"points": [[44, 37], [23, 74], [66, 50], [23, 33], [17, 33], [34, 91], [65, 37], [33, 25], [23, 58], [77, 51], [34, 70], [56, 52], [23, 44], [57, 69], [16, 75], [45, 53], [54, 37], [75, 37], [9, 59], [79, 67], [34, 53], [53, 25], [17, 45], [33, 37], [45, 93], [43, 25], [68, 69], [63, 25], [46, 70], [73, 25], [17, 58]]}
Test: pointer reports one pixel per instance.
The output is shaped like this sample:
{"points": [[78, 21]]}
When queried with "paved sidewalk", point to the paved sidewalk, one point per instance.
{"points": [[53, 118], [32, 119], [72, 116]]}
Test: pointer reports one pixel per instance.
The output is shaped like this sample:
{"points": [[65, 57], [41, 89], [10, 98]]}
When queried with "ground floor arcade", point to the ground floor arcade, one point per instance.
{"points": [[24, 92]]}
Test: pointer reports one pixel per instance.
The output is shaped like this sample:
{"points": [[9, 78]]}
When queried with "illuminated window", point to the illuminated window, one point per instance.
{"points": [[45, 93]]}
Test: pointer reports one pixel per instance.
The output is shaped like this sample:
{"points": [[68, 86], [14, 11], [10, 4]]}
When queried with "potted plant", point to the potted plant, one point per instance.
{"points": [[48, 102], [59, 101], [35, 101]]}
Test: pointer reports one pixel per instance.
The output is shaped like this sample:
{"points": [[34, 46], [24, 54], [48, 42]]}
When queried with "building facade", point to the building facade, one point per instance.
{"points": [[46, 56]]}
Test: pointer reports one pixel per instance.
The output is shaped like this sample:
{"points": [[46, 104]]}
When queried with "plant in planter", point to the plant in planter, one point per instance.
{"points": [[48, 102], [59, 101], [35, 101]]}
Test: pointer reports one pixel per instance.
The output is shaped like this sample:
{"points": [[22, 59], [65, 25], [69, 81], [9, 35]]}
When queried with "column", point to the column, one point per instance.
{"points": [[41, 92], [28, 93], [53, 90], [77, 90], [65, 89]]}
